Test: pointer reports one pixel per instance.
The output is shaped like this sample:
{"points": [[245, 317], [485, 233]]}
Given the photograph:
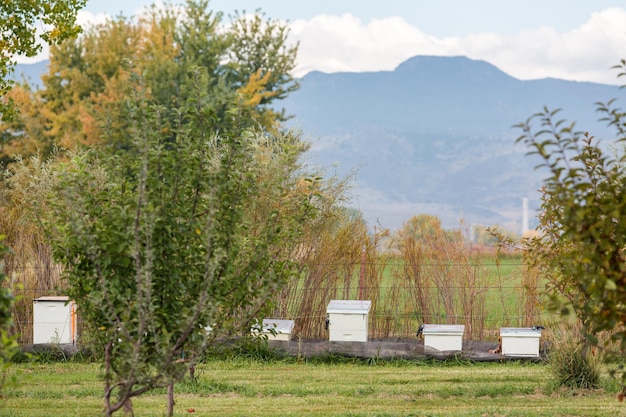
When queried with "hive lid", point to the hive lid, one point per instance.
{"points": [[520, 332], [444, 328], [279, 326], [349, 306], [62, 298]]}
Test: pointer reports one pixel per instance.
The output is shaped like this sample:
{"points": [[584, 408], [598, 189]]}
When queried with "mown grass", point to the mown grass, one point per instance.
{"points": [[244, 387]]}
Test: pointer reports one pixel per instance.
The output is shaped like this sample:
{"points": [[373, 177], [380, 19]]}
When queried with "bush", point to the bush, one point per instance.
{"points": [[574, 363], [8, 344]]}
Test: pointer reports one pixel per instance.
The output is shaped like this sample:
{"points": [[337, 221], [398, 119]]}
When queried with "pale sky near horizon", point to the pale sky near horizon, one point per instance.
{"points": [[570, 39]]}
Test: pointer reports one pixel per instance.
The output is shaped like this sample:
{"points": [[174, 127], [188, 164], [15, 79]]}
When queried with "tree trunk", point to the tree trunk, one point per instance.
{"points": [[107, 385], [128, 408], [192, 371], [170, 399]]}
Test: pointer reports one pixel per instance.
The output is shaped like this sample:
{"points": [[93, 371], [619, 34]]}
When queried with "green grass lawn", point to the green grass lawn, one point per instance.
{"points": [[246, 387]]}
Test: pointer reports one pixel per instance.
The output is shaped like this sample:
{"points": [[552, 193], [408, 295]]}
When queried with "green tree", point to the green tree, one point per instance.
{"points": [[25, 133], [248, 63], [424, 227], [259, 64], [580, 247], [8, 344], [174, 236], [19, 23]]}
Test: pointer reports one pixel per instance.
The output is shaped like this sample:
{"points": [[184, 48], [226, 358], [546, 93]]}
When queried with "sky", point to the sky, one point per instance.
{"points": [[576, 40]]}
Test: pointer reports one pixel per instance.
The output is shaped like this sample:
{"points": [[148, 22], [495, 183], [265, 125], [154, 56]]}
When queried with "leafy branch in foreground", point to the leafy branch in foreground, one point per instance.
{"points": [[582, 225], [19, 20], [8, 344]]}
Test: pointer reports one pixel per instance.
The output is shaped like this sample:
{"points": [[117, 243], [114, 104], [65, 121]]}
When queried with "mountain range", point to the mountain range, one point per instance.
{"points": [[434, 136]]}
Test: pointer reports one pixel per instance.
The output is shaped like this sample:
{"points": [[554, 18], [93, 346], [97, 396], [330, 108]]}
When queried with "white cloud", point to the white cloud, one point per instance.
{"points": [[345, 43]]}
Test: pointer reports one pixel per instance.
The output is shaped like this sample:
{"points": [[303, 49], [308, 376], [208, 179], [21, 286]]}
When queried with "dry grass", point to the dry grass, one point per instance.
{"points": [[446, 280], [327, 272], [437, 279], [23, 202]]}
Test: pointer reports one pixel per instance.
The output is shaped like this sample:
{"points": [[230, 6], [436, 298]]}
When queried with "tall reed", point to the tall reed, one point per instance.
{"points": [[445, 280], [33, 272], [327, 271]]}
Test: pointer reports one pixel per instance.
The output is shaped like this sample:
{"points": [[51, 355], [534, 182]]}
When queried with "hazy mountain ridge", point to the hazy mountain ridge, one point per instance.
{"points": [[30, 72], [433, 136]]}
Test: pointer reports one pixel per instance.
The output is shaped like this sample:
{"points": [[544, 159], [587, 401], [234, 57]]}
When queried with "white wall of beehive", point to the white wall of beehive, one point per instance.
{"points": [[54, 320], [444, 337], [520, 341], [348, 320], [277, 329]]}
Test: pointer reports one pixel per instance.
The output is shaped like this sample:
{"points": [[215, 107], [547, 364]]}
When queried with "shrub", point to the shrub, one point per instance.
{"points": [[574, 363]]}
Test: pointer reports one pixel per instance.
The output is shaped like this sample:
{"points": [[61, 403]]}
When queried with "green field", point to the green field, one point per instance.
{"points": [[244, 387], [484, 292]]}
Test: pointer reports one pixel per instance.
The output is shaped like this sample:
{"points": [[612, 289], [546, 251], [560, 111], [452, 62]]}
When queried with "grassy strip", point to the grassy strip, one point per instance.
{"points": [[243, 387]]}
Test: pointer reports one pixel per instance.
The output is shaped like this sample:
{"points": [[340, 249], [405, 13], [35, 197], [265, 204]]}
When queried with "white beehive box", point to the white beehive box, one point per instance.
{"points": [[520, 341], [444, 337], [282, 329], [54, 320], [348, 320]]}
